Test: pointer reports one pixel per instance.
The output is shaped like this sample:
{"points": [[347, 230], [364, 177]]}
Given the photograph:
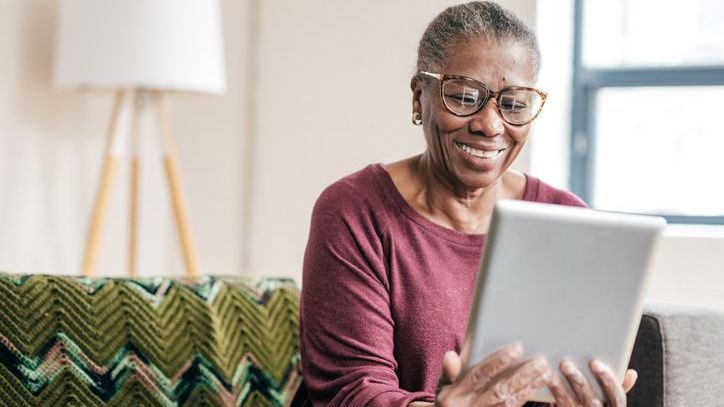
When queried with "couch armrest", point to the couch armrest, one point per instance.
{"points": [[679, 354], [212, 341]]}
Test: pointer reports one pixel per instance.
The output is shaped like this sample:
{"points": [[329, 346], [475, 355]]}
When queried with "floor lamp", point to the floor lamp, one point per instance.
{"points": [[141, 50]]}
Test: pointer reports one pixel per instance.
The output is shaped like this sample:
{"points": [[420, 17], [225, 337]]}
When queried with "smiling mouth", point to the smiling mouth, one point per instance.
{"points": [[479, 153]]}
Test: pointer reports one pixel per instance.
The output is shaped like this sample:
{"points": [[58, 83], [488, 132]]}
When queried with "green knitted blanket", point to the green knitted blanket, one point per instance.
{"points": [[74, 341]]}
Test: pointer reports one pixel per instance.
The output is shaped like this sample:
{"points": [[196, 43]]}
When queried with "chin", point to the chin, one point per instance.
{"points": [[477, 177], [478, 180]]}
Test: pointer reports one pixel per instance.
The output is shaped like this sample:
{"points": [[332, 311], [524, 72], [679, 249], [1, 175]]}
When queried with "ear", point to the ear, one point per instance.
{"points": [[416, 87]]}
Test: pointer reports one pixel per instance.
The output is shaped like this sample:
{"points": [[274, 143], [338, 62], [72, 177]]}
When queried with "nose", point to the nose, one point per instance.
{"points": [[487, 122]]}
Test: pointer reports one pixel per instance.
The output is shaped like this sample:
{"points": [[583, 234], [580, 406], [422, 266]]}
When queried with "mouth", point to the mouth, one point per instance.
{"points": [[488, 153]]}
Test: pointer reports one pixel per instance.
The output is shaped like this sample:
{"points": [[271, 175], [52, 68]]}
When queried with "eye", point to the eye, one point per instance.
{"points": [[512, 104], [464, 99], [463, 95]]}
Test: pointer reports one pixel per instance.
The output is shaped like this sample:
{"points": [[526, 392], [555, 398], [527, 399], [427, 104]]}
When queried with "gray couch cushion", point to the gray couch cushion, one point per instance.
{"points": [[679, 354]]}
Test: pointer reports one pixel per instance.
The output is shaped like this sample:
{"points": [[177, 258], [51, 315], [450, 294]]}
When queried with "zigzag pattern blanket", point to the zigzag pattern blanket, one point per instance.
{"points": [[74, 341]]}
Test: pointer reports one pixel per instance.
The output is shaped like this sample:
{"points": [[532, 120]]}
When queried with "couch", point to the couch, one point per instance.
{"points": [[233, 341], [679, 354]]}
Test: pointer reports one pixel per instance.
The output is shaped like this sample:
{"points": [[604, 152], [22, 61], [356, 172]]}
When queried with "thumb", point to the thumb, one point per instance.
{"points": [[630, 379], [451, 366]]}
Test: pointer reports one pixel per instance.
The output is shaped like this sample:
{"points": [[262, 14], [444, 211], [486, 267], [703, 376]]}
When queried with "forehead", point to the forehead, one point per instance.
{"points": [[494, 63]]}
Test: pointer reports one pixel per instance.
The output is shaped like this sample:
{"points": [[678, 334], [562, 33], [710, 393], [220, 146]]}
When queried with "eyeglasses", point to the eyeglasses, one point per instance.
{"points": [[463, 96]]}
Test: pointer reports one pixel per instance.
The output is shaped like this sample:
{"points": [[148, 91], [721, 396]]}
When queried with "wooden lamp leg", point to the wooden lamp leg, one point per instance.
{"points": [[174, 181], [138, 107], [110, 164]]}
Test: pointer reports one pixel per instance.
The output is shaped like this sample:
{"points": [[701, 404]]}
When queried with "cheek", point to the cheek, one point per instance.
{"points": [[438, 135], [440, 119], [519, 134], [445, 123], [440, 126]]}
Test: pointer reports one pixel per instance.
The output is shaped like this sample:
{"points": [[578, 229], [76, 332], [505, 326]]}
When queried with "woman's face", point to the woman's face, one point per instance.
{"points": [[450, 138]]}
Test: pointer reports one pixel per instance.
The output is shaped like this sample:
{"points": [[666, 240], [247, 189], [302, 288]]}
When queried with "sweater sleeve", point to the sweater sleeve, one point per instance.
{"points": [[542, 192], [346, 326]]}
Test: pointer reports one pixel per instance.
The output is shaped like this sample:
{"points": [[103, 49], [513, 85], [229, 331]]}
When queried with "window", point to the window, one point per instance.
{"points": [[648, 107]]}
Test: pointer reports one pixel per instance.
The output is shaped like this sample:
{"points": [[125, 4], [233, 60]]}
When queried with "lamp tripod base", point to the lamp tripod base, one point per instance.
{"points": [[173, 178]]}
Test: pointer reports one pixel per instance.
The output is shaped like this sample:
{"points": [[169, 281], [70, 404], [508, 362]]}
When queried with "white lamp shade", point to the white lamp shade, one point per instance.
{"points": [[152, 44]]}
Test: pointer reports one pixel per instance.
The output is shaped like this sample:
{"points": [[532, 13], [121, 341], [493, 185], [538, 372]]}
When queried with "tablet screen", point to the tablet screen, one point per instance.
{"points": [[566, 282]]}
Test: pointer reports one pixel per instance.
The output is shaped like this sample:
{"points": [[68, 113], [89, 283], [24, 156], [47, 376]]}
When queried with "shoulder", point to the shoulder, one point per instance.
{"points": [[348, 224], [361, 195], [539, 191]]}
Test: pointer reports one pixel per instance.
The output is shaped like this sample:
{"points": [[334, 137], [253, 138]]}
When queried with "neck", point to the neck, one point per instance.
{"points": [[451, 204]]}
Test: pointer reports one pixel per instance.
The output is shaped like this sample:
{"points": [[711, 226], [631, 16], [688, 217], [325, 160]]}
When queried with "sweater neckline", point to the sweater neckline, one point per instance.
{"points": [[474, 239]]}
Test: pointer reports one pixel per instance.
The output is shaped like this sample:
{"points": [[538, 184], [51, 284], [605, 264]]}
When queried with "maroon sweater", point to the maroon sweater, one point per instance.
{"points": [[385, 292]]}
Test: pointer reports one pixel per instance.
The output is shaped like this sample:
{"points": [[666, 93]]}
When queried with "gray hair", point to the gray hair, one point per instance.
{"points": [[471, 21]]}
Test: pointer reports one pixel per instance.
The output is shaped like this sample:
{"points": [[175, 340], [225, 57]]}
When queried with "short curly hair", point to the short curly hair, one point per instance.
{"points": [[471, 21]]}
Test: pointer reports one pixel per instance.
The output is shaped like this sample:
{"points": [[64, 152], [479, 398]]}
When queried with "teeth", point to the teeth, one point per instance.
{"points": [[478, 153]]}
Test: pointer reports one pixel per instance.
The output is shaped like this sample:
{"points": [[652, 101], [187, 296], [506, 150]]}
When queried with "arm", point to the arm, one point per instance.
{"points": [[347, 330], [346, 324]]}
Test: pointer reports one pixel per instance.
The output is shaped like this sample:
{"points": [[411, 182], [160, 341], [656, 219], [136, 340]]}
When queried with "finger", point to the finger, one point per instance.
{"points": [[580, 386], [516, 385], [615, 394], [534, 372], [451, 366], [630, 380], [525, 393], [532, 377], [560, 392], [498, 362]]}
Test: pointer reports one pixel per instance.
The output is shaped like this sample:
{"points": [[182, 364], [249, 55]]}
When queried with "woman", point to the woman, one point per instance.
{"points": [[394, 249]]}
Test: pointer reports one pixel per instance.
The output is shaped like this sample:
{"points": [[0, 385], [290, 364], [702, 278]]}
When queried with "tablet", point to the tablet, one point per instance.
{"points": [[566, 282]]}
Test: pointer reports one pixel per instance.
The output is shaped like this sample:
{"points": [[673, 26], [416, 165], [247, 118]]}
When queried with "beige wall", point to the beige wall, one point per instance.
{"points": [[51, 146], [689, 267], [252, 165], [343, 70]]}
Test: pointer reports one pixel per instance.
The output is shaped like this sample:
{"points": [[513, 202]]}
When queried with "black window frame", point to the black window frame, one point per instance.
{"points": [[588, 81]]}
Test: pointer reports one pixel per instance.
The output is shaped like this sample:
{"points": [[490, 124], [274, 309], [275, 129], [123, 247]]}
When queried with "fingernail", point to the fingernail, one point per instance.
{"points": [[567, 367], [597, 366], [517, 348], [512, 352]]}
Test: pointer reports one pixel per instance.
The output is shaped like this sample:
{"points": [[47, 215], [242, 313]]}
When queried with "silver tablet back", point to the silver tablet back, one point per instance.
{"points": [[565, 282]]}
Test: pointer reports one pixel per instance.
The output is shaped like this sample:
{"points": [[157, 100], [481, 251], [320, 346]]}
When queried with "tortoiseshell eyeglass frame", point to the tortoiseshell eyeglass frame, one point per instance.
{"points": [[490, 94]]}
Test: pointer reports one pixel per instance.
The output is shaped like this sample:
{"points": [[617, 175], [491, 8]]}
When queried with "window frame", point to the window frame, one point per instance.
{"points": [[586, 84]]}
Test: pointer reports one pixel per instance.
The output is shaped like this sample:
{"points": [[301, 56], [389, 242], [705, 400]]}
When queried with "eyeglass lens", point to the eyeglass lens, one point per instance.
{"points": [[517, 106]]}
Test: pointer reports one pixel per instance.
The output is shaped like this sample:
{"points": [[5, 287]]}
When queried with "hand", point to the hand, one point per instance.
{"points": [[583, 394], [503, 379]]}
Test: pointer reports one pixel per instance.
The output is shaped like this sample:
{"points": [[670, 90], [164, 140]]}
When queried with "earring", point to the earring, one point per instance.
{"points": [[416, 118]]}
